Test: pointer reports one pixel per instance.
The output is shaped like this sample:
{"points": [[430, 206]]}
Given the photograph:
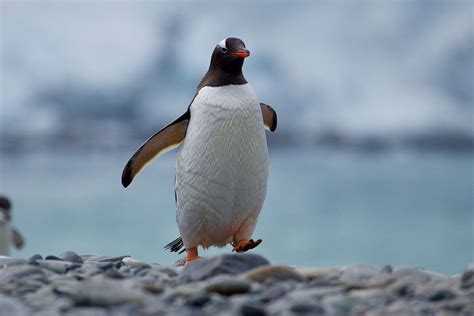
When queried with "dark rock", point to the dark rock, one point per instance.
{"points": [[87, 311], [386, 269], [33, 258], [71, 256], [249, 309], [199, 301], [441, 294], [50, 257], [227, 285], [114, 274], [307, 308], [205, 268], [467, 278]]}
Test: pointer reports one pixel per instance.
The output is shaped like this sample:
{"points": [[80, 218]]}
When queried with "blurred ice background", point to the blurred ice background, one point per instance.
{"points": [[372, 160]]}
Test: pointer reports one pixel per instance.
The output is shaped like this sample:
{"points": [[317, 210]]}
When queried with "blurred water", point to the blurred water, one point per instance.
{"points": [[322, 208]]}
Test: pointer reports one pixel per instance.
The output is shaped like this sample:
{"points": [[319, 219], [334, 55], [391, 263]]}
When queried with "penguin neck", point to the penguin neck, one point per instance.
{"points": [[216, 77]]}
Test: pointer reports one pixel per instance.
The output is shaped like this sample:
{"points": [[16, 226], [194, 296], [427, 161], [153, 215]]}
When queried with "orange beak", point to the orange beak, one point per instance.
{"points": [[242, 53]]}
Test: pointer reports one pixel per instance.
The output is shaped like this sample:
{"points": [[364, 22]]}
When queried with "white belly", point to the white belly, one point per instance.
{"points": [[222, 165]]}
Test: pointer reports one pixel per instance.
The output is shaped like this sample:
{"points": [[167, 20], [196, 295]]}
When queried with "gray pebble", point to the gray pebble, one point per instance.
{"points": [[104, 292], [33, 258], [358, 275], [249, 309], [71, 256], [273, 273], [412, 274], [12, 307], [307, 308], [205, 268], [227, 285], [57, 266], [20, 272]]}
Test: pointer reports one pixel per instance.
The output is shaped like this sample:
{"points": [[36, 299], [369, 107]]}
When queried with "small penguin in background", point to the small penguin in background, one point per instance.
{"points": [[8, 234], [222, 164]]}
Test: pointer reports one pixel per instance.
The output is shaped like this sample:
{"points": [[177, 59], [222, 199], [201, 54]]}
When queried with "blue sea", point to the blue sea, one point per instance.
{"points": [[323, 208]]}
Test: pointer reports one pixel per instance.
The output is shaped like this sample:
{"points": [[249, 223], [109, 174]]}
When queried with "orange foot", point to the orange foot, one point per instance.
{"points": [[191, 254], [244, 245]]}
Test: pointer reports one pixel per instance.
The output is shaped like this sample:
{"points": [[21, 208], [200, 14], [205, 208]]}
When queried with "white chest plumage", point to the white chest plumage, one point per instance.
{"points": [[222, 167]]}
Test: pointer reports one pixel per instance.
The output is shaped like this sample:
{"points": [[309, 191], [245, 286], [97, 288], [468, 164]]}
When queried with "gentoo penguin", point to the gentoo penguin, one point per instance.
{"points": [[222, 163], [8, 234]]}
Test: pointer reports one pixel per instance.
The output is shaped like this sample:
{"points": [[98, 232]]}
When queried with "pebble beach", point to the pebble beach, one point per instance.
{"points": [[227, 284]]}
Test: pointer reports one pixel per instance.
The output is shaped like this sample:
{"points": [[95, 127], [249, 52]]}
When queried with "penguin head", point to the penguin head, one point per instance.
{"points": [[229, 55], [5, 207]]}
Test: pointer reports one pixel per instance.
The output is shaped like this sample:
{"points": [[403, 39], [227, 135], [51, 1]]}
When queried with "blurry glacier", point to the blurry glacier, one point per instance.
{"points": [[346, 75]]}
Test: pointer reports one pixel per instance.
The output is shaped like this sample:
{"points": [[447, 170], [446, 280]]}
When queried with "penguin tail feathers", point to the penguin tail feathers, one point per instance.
{"points": [[176, 245]]}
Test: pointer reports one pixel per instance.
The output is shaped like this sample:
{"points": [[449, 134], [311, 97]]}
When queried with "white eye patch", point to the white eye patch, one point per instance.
{"points": [[222, 43]]}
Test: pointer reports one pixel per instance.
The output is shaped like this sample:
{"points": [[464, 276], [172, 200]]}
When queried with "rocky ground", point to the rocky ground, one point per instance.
{"points": [[229, 284]]}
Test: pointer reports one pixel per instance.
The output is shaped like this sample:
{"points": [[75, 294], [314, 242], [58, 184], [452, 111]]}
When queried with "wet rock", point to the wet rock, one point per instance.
{"points": [[51, 257], [71, 256], [205, 268], [274, 273], [227, 285]]}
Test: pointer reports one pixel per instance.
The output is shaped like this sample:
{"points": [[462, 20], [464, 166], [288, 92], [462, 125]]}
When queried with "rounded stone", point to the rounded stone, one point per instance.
{"points": [[34, 258], [71, 256], [249, 309], [205, 268], [275, 273], [226, 285]]}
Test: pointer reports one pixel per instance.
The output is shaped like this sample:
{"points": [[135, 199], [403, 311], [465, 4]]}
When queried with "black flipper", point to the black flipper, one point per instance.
{"points": [[176, 245]]}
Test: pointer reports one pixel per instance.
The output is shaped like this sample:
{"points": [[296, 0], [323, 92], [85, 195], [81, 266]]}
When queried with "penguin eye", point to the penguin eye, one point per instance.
{"points": [[224, 49]]}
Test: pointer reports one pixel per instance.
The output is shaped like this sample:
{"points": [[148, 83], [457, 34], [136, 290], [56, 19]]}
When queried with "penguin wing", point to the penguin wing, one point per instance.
{"points": [[269, 117], [164, 140], [17, 239]]}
